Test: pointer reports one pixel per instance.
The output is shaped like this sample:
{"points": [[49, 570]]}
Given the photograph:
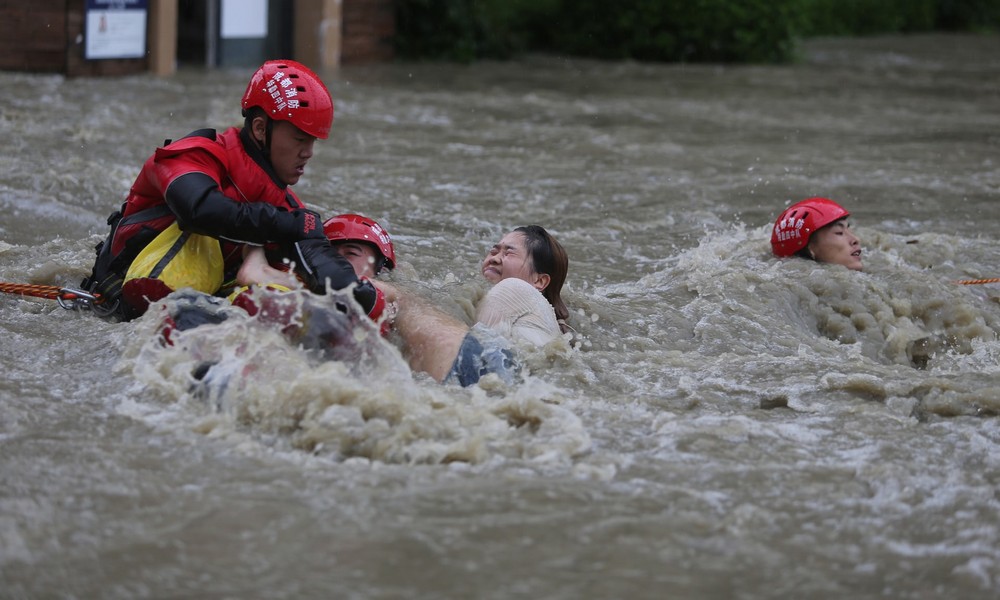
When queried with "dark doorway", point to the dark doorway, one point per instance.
{"points": [[199, 42], [192, 32]]}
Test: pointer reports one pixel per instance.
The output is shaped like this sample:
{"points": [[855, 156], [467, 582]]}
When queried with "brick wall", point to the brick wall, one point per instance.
{"points": [[368, 27], [34, 36], [46, 36]]}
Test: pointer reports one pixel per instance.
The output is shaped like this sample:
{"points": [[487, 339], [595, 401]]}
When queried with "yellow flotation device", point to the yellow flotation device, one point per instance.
{"points": [[175, 259]]}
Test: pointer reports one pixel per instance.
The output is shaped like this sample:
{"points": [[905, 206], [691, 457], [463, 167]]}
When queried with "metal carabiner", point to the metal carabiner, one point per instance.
{"points": [[74, 299]]}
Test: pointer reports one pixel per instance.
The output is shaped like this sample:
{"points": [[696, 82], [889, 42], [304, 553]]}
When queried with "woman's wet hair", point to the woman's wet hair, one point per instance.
{"points": [[548, 257]]}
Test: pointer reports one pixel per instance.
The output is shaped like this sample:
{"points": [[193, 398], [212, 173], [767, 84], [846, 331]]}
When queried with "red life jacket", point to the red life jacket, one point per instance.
{"points": [[145, 212], [223, 159]]}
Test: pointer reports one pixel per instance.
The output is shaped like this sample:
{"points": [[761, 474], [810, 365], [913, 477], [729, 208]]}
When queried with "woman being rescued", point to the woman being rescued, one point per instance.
{"points": [[528, 268]]}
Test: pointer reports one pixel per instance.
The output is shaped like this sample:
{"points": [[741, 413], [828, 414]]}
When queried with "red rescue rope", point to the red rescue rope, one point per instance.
{"points": [[67, 297], [978, 281]]}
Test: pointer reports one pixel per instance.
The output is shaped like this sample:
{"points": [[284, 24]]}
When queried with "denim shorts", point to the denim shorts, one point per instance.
{"points": [[483, 351]]}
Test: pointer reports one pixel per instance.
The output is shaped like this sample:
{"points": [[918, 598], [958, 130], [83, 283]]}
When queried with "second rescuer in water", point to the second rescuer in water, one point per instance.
{"points": [[817, 229]]}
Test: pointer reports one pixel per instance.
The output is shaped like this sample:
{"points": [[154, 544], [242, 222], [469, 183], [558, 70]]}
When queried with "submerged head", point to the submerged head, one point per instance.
{"points": [[531, 253], [817, 229], [362, 241]]}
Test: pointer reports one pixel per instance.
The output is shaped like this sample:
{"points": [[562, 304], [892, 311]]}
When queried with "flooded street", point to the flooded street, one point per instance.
{"points": [[725, 424]]}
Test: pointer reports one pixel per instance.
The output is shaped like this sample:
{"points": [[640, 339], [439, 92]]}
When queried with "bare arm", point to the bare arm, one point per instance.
{"points": [[255, 269], [431, 337]]}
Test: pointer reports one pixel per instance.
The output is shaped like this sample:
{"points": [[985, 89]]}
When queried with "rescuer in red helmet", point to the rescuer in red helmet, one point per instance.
{"points": [[234, 189], [363, 242], [817, 229], [360, 240]]}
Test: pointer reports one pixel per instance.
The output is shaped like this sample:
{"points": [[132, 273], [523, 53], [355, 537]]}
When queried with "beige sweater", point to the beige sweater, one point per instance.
{"points": [[517, 311]]}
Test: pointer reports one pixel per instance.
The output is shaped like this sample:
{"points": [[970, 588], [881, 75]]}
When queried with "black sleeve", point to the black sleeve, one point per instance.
{"points": [[320, 265], [201, 207]]}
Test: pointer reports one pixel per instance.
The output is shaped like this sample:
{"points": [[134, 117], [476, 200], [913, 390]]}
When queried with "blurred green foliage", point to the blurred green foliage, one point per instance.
{"points": [[672, 30], [663, 30]]}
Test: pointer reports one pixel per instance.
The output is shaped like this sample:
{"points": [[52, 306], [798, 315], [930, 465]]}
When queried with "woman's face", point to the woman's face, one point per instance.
{"points": [[509, 258], [836, 244]]}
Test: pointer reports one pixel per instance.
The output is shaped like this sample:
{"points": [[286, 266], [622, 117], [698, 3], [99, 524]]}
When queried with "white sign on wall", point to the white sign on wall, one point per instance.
{"points": [[115, 29], [243, 19]]}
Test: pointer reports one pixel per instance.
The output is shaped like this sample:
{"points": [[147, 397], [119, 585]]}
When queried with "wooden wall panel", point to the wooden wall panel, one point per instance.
{"points": [[368, 29], [34, 36]]}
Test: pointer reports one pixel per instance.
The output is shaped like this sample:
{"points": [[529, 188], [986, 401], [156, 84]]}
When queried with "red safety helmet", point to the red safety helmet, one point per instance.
{"points": [[357, 228], [794, 226], [289, 91]]}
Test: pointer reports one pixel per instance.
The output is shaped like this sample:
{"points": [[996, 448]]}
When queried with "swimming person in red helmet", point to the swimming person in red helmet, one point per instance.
{"points": [[327, 326], [199, 200], [363, 242], [360, 240], [817, 229]]}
